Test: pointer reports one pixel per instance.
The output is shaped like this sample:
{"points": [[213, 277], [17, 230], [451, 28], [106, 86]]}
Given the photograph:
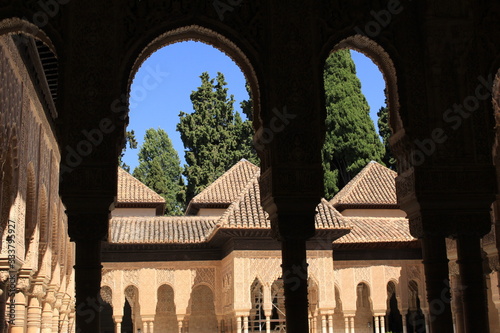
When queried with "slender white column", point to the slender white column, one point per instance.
{"points": [[179, 324], [330, 323], [377, 324], [268, 324], [351, 319], [238, 324], [151, 327], [323, 324], [382, 324], [245, 324], [346, 322], [405, 328], [118, 327]]}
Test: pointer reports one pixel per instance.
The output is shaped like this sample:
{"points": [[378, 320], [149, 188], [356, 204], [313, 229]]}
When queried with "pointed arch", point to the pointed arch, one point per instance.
{"points": [[165, 320], [200, 34]]}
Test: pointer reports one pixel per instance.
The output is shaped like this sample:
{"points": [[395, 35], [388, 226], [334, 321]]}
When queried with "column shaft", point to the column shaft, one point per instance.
{"points": [[238, 324], [346, 323], [295, 284], [405, 328], [377, 324], [55, 321], [330, 324], [457, 303], [87, 280], [47, 318], [20, 313], [437, 283], [475, 302], [351, 320], [34, 315], [268, 324], [382, 324], [323, 324], [245, 324]]}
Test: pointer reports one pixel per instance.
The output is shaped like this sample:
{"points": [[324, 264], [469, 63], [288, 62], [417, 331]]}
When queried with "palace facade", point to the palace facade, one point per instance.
{"points": [[66, 69]]}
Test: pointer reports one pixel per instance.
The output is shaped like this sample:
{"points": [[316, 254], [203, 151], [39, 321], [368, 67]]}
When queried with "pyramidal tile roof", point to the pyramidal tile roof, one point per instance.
{"points": [[131, 190], [376, 230], [247, 212], [226, 188], [161, 229], [374, 185]]}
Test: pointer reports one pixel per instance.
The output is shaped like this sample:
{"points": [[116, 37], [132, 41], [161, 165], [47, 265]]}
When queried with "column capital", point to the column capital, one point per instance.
{"points": [[88, 226]]}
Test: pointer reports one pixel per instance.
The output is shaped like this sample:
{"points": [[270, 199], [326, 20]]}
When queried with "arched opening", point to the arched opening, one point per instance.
{"points": [[394, 318], [415, 318], [257, 318], [202, 317], [106, 318], [131, 311], [278, 316], [165, 320], [204, 35], [127, 321], [313, 298], [363, 320], [338, 312], [362, 111]]}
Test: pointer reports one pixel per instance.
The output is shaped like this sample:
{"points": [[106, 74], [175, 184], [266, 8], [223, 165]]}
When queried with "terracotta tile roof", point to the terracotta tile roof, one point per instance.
{"points": [[131, 190], [374, 185], [247, 212], [376, 230], [227, 187], [160, 229]]}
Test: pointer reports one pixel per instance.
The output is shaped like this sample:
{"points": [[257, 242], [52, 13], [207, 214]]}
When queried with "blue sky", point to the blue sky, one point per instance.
{"points": [[163, 84]]}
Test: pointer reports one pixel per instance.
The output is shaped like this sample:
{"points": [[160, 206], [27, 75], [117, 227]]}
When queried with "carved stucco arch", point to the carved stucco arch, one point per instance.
{"points": [[107, 294], [385, 64], [200, 34], [17, 25]]}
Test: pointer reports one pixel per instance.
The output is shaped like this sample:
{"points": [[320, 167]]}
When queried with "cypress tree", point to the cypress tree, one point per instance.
{"points": [[159, 169], [351, 140], [385, 133], [214, 136]]}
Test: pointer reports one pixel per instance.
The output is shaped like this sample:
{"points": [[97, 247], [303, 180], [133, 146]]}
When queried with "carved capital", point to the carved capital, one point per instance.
{"points": [[83, 227]]}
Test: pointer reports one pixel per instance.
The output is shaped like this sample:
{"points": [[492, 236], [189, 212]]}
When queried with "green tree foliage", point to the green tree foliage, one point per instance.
{"points": [[245, 145], [351, 140], [385, 133], [214, 136], [132, 144], [159, 169]]}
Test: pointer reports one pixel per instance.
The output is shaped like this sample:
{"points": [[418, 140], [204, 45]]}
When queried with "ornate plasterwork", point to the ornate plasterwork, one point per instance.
{"points": [[165, 276], [204, 275], [363, 274], [131, 277]]}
